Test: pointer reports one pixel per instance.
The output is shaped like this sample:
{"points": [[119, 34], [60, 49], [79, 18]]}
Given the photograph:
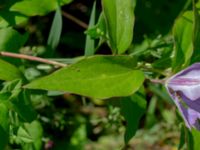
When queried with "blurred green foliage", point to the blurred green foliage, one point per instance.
{"points": [[156, 40]]}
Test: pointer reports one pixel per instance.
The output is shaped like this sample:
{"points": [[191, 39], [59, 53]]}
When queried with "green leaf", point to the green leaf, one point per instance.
{"points": [[22, 105], [24, 136], [36, 7], [99, 30], [119, 16], [196, 35], [8, 71], [8, 18], [182, 31], [95, 76], [90, 43], [196, 137], [182, 137], [19, 100], [189, 139], [132, 108], [56, 28], [11, 40], [4, 126], [35, 131]]}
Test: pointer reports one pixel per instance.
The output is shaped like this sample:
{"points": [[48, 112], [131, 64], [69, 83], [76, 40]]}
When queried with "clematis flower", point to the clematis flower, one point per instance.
{"points": [[184, 89]]}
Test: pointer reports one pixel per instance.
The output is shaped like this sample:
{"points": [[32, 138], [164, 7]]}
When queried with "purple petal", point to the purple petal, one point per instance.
{"points": [[184, 88], [190, 116], [187, 81]]}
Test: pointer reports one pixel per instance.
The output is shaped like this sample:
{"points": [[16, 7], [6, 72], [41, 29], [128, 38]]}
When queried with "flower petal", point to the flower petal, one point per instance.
{"points": [[187, 81], [184, 88]]}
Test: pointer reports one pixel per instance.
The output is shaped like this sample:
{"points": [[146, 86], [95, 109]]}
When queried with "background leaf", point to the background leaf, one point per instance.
{"points": [[36, 7], [96, 76], [8, 18], [35, 131], [8, 71], [55, 32], [132, 108], [22, 105], [11, 40]]}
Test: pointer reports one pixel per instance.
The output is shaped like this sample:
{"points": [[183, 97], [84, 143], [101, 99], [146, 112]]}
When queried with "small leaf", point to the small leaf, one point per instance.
{"points": [[56, 28], [8, 71], [35, 131], [24, 136], [119, 16], [182, 31], [133, 108], [99, 30], [95, 76], [90, 43]]}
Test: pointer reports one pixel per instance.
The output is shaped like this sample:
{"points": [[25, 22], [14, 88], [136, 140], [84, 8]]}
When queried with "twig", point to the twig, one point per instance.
{"points": [[157, 81], [32, 58], [74, 19]]}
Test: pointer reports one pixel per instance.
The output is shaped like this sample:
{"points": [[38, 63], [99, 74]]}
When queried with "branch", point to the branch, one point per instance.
{"points": [[32, 58], [74, 19]]}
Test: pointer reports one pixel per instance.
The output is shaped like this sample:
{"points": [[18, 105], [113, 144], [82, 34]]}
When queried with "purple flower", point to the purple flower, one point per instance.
{"points": [[184, 88]]}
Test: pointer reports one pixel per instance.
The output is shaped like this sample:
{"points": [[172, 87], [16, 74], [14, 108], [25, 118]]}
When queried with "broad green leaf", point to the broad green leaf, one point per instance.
{"points": [[90, 43], [4, 126], [119, 16], [35, 131], [55, 32], [95, 76], [182, 31], [11, 40], [196, 35], [132, 108], [8, 71], [36, 7]]}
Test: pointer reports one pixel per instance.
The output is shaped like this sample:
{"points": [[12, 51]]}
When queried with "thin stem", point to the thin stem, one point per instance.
{"points": [[32, 58], [74, 19], [157, 81]]}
